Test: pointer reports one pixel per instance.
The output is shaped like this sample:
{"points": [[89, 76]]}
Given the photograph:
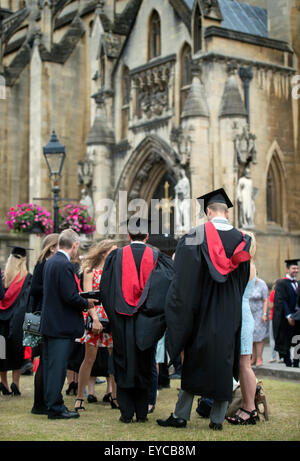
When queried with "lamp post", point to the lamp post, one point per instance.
{"points": [[55, 153]]}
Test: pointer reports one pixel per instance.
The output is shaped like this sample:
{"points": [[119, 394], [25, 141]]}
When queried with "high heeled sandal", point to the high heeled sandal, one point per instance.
{"points": [[72, 389], [237, 420], [81, 407], [14, 389], [4, 390], [107, 398], [114, 406], [261, 401]]}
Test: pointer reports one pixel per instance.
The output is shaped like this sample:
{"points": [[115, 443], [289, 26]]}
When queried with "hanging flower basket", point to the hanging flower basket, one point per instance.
{"points": [[77, 218], [29, 218]]}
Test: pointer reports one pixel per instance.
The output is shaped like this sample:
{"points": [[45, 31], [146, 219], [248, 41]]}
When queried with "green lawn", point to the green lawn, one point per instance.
{"points": [[100, 422]]}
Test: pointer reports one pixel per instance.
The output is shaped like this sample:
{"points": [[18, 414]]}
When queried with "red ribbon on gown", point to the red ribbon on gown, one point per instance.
{"points": [[12, 293], [132, 285], [217, 253]]}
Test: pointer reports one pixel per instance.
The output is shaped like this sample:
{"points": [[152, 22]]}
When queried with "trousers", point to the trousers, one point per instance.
{"points": [[132, 401], [184, 407], [56, 352]]}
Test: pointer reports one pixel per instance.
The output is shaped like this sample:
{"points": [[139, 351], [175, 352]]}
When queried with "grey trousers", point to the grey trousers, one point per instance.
{"points": [[184, 407]]}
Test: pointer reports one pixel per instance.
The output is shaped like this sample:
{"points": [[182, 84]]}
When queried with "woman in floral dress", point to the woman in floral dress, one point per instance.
{"points": [[92, 271]]}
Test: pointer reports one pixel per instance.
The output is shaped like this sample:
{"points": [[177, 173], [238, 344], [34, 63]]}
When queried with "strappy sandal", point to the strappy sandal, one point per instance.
{"points": [[238, 421], [114, 406], [81, 407], [260, 401]]}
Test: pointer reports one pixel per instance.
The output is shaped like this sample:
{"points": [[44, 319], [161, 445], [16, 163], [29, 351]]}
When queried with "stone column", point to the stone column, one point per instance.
{"points": [[99, 145], [195, 122], [35, 140]]}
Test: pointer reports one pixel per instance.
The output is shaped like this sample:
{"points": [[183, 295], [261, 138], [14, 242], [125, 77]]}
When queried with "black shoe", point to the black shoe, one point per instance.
{"points": [[66, 414], [171, 422], [4, 390], [14, 389], [72, 389], [215, 426], [92, 398], [141, 420], [151, 409], [107, 398], [39, 411], [125, 420]]}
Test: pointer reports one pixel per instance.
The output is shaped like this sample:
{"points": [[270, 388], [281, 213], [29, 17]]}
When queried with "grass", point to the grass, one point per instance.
{"points": [[100, 423]]}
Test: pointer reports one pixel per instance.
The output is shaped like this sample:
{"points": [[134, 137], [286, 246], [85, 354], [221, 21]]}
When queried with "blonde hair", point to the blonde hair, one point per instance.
{"points": [[49, 241], [96, 254], [15, 265], [67, 238], [218, 207], [252, 249]]}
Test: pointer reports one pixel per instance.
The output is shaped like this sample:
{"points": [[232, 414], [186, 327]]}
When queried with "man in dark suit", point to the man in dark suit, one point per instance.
{"points": [[285, 327], [61, 321]]}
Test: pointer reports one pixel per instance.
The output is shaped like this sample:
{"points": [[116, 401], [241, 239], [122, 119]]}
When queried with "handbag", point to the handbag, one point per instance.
{"points": [[32, 323], [104, 322]]}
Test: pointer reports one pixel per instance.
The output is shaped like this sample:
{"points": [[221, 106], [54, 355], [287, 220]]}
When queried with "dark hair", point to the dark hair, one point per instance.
{"points": [[138, 237]]}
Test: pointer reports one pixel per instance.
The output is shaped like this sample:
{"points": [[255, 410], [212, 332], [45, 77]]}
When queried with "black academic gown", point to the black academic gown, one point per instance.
{"points": [[203, 314], [11, 327], [135, 336], [285, 302]]}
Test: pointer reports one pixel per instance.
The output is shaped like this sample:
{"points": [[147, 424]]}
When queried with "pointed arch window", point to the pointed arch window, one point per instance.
{"points": [[197, 30], [154, 39], [125, 101], [185, 73], [274, 195]]}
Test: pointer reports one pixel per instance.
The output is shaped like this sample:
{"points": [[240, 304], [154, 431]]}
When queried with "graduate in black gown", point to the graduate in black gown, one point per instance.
{"points": [[134, 285], [285, 327], [17, 281], [203, 310]]}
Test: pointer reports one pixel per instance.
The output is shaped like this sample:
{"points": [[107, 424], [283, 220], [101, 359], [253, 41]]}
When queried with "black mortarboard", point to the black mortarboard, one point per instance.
{"points": [[216, 196], [19, 251], [292, 262]]}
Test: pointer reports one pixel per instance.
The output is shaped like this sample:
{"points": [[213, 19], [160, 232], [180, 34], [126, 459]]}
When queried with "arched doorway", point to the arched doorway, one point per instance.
{"points": [[151, 174]]}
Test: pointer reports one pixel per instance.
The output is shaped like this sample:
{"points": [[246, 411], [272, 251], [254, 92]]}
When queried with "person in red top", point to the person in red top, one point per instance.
{"points": [[92, 272]]}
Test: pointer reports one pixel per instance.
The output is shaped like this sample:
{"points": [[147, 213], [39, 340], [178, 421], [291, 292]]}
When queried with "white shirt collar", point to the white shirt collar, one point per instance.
{"points": [[137, 241], [66, 254], [221, 223]]}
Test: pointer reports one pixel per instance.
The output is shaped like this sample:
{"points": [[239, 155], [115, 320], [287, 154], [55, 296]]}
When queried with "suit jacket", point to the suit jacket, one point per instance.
{"points": [[62, 305]]}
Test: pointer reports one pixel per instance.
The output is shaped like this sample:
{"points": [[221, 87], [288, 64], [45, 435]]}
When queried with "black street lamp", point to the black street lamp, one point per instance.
{"points": [[55, 154]]}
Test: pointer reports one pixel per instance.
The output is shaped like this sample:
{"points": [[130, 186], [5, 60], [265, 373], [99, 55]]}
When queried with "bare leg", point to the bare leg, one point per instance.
{"points": [[253, 359], [259, 351], [4, 379], [91, 385], [85, 370], [16, 377], [248, 386]]}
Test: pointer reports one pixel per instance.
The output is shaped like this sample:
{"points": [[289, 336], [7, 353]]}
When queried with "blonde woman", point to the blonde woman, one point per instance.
{"points": [[13, 306], [92, 270], [49, 248], [247, 414]]}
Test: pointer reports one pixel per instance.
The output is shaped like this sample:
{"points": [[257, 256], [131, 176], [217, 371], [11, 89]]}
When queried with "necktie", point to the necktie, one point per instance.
{"points": [[295, 285]]}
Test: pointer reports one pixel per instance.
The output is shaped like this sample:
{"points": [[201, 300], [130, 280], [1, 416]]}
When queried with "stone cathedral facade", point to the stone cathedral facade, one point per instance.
{"points": [[147, 95]]}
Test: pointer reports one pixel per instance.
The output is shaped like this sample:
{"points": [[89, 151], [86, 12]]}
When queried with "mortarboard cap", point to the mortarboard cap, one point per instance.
{"points": [[216, 196], [19, 251], [292, 262]]}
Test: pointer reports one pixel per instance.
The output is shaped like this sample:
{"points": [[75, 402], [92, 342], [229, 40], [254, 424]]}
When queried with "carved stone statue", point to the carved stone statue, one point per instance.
{"points": [[245, 148], [246, 194], [182, 203], [86, 200]]}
